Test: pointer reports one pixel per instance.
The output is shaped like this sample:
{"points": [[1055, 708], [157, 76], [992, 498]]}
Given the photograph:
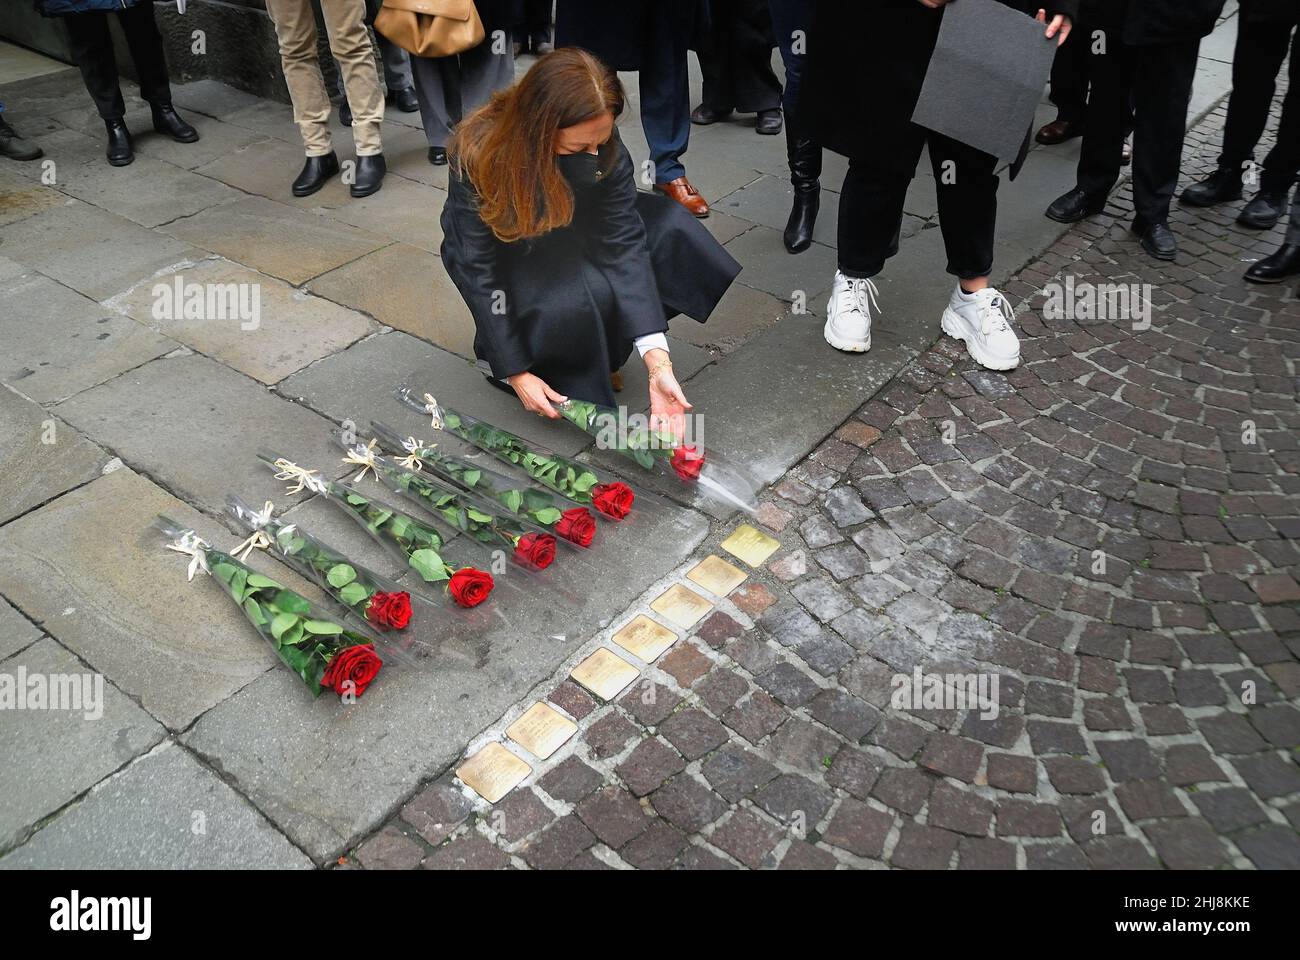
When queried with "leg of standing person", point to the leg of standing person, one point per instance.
{"points": [[91, 47], [350, 46], [537, 26], [1069, 90], [755, 86], [717, 66], [790, 23], [1256, 60], [436, 80], [1284, 263], [1282, 164], [1162, 89], [666, 114], [145, 43], [14, 146], [295, 31]]}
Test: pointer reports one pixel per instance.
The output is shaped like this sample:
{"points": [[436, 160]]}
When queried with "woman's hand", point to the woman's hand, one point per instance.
{"points": [[1060, 26], [668, 405], [536, 395]]}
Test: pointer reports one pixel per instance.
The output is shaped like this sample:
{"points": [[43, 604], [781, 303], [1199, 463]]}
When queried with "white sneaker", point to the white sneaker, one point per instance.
{"points": [[848, 314], [983, 320]]}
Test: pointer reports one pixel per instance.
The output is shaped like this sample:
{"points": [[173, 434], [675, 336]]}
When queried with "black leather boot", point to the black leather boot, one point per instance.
{"points": [[167, 120], [1221, 186], [370, 175], [1074, 206], [1282, 265], [1264, 210], [15, 147], [315, 172], [120, 152], [1156, 239], [805, 156]]}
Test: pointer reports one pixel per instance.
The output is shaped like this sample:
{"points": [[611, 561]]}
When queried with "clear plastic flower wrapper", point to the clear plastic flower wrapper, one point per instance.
{"points": [[574, 481], [419, 544], [526, 501], [659, 450], [322, 652], [417, 624]]}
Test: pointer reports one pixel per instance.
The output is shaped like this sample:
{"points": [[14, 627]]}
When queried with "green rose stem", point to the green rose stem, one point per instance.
{"points": [[304, 640], [529, 502], [569, 478], [641, 444]]}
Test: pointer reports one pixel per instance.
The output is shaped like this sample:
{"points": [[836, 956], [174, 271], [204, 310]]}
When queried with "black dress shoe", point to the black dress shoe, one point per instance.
{"points": [[1282, 265], [406, 100], [167, 120], [705, 115], [1263, 211], [438, 156], [1074, 206], [120, 152], [769, 122], [1156, 239], [370, 175], [315, 172], [15, 147], [1222, 186], [345, 113], [805, 157]]}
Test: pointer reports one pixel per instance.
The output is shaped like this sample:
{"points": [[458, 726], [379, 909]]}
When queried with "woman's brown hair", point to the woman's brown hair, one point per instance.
{"points": [[506, 148]]}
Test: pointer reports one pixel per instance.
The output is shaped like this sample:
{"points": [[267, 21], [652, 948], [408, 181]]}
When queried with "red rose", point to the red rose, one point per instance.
{"points": [[613, 499], [577, 525], [470, 587], [389, 610], [535, 550], [688, 461], [352, 669]]}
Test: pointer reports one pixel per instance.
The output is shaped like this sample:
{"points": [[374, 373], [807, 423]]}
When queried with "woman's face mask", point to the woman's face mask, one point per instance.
{"points": [[580, 169]]}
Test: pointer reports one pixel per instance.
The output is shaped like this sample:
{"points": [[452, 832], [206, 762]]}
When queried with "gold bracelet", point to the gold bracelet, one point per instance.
{"points": [[654, 371]]}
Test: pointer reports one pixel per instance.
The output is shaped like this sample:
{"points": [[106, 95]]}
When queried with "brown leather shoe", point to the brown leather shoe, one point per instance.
{"points": [[685, 194], [616, 381], [1059, 131]]}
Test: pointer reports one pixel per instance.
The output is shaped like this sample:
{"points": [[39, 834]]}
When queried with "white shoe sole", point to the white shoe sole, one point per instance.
{"points": [[840, 343], [955, 327]]}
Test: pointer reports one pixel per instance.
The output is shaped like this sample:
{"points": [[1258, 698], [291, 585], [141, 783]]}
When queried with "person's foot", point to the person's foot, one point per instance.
{"points": [[705, 115], [438, 156], [616, 381], [315, 172], [769, 122], [803, 218], [1156, 239], [167, 120], [370, 175], [1264, 210], [684, 193], [1074, 206], [1126, 155], [1282, 265], [406, 101], [15, 147], [345, 113], [1059, 131], [983, 320], [541, 44], [1222, 186], [848, 313], [119, 152]]}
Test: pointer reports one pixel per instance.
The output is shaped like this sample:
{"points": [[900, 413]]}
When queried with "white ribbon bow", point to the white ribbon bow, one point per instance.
{"points": [[433, 410], [258, 540], [195, 547], [363, 457], [288, 470], [411, 461]]}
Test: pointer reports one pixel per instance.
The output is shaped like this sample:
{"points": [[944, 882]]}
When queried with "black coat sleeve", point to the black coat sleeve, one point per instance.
{"points": [[469, 254], [614, 237]]}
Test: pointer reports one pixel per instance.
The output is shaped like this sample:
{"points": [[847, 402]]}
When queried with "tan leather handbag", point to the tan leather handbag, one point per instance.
{"points": [[431, 28]]}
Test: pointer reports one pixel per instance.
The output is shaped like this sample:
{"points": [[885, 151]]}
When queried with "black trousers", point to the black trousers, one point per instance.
{"points": [[1261, 49], [871, 206], [535, 21], [91, 46], [736, 59], [1293, 229], [1148, 88], [1070, 78]]}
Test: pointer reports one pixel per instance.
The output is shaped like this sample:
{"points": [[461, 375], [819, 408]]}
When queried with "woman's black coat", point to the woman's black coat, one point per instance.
{"points": [[1271, 11], [617, 31], [566, 306], [866, 65]]}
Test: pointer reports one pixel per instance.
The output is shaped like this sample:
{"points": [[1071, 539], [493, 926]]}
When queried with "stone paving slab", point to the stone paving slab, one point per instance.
{"points": [[91, 250], [20, 198], [742, 313], [767, 201], [54, 755], [770, 268], [81, 343], [404, 210], [148, 416], [164, 812], [89, 568], [292, 329], [36, 471], [266, 168], [271, 237], [16, 631]]}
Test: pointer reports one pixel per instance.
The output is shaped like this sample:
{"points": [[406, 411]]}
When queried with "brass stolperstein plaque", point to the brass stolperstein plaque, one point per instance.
{"points": [[541, 730], [716, 575], [644, 638], [751, 545], [605, 674], [682, 605], [493, 772]]}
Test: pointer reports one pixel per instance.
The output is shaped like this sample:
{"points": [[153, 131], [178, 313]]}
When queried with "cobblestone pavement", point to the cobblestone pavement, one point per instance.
{"points": [[1112, 532]]}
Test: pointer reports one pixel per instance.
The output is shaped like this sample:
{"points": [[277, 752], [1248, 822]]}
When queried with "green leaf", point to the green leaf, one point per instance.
{"points": [[224, 572], [429, 565], [478, 515], [471, 477], [586, 480], [451, 421], [286, 601], [357, 500], [340, 575], [238, 582], [321, 627], [547, 516], [399, 527], [354, 593], [254, 611], [257, 580], [514, 500], [281, 623]]}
